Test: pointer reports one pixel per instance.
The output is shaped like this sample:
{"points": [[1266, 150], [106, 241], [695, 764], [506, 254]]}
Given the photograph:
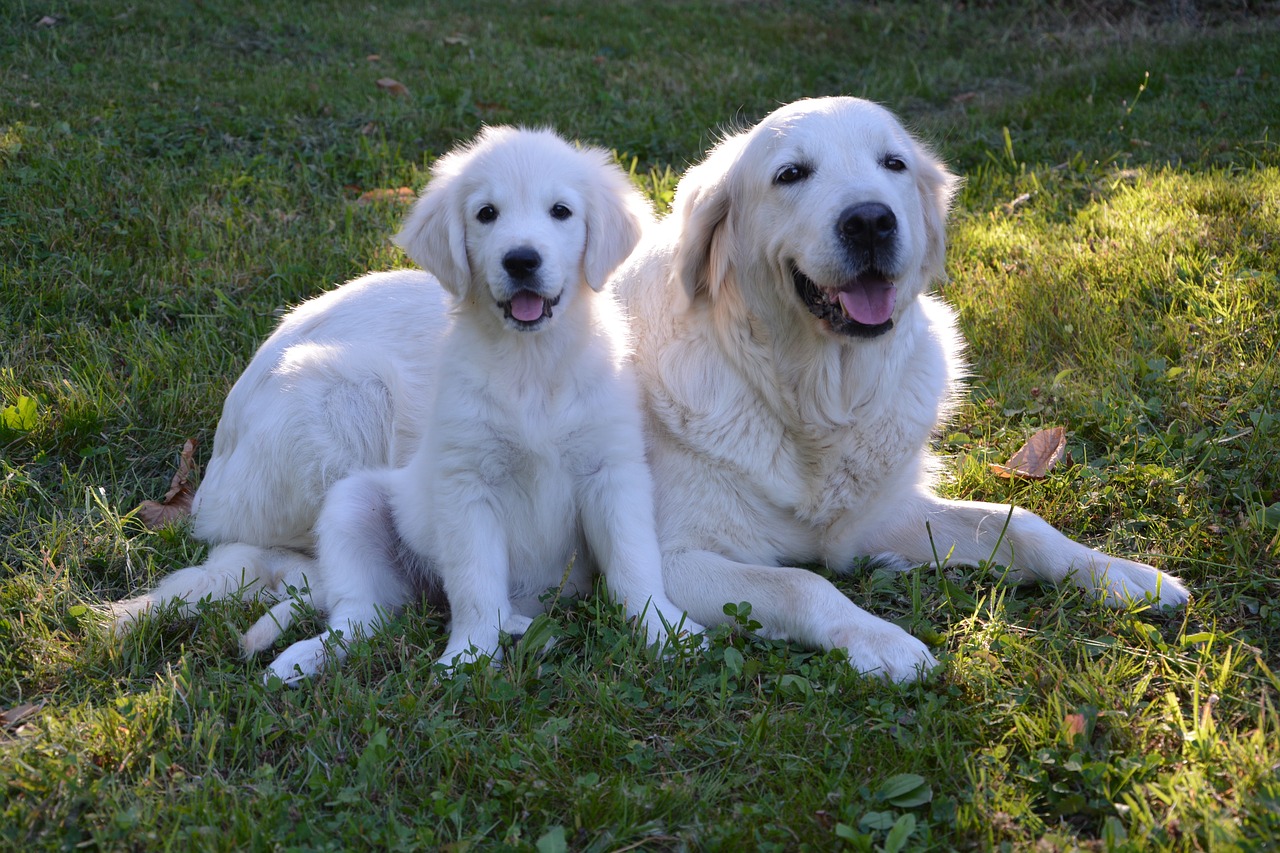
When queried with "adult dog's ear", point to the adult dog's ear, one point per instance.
{"points": [[701, 209], [434, 232], [937, 187], [617, 215]]}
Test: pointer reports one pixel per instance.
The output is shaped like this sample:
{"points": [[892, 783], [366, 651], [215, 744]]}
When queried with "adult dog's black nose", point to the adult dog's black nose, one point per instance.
{"points": [[867, 225], [521, 263]]}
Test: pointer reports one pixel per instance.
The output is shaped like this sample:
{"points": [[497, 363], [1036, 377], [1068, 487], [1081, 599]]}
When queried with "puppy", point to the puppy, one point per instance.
{"points": [[794, 369], [474, 432]]}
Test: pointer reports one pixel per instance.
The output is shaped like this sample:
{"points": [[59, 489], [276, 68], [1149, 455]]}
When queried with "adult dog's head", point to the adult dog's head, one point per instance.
{"points": [[520, 220], [827, 208]]}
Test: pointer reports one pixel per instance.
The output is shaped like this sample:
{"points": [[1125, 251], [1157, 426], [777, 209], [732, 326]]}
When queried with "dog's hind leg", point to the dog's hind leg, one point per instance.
{"points": [[268, 629], [359, 578], [234, 570]]}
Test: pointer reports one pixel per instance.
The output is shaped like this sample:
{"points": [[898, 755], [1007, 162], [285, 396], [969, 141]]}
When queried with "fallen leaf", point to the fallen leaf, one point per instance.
{"points": [[457, 39], [400, 194], [10, 717], [373, 57], [1073, 725], [46, 21], [392, 87], [964, 97], [1035, 458], [177, 501]]}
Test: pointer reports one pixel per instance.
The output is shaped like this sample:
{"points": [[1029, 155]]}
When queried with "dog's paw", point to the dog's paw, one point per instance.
{"points": [[298, 662], [261, 635], [466, 647], [125, 615], [1119, 582], [885, 650], [664, 623]]}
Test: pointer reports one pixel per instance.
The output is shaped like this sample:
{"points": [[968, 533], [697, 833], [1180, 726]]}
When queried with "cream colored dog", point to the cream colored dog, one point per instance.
{"points": [[477, 429], [795, 368]]}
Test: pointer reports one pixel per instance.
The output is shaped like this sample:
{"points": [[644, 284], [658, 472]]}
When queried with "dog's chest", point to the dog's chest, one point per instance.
{"points": [[845, 471], [517, 465]]}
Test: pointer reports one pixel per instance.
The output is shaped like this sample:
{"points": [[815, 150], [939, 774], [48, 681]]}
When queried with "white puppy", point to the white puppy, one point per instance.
{"points": [[490, 440], [794, 369]]}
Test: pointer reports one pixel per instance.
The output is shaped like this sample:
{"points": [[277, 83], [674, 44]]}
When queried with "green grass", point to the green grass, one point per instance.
{"points": [[173, 176]]}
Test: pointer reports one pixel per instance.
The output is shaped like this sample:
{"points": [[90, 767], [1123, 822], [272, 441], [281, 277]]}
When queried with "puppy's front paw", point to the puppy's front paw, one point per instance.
{"points": [[1118, 582], [468, 646], [663, 622], [886, 650]]}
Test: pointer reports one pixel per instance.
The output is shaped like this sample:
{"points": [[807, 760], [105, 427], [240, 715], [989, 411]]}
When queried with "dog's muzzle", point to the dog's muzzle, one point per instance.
{"points": [[861, 307], [527, 307]]}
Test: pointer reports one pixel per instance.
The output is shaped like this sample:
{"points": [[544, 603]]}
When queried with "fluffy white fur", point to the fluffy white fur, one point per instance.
{"points": [[784, 433], [477, 429]]}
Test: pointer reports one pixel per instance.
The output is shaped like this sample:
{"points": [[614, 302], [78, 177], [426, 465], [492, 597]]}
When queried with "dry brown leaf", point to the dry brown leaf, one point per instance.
{"points": [[1035, 458], [392, 87], [177, 501], [10, 717], [1073, 725], [401, 194]]}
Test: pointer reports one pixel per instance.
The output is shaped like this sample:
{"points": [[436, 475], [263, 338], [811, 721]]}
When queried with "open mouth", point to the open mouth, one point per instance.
{"points": [[861, 307], [528, 309]]}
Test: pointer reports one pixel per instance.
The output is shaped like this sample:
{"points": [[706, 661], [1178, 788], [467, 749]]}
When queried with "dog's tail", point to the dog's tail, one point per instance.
{"points": [[233, 570]]}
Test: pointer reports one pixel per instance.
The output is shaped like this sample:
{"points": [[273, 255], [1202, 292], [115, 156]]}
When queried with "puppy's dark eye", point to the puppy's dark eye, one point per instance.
{"points": [[559, 211], [792, 173], [894, 163], [487, 214]]}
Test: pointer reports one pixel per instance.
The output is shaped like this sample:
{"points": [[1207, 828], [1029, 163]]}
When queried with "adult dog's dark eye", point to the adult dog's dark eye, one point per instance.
{"points": [[559, 211], [487, 214], [894, 163], [792, 173]]}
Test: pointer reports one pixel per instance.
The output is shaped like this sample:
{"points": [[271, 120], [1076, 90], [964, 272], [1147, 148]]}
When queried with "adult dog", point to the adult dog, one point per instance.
{"points": [[794, 369], [479, 439]]}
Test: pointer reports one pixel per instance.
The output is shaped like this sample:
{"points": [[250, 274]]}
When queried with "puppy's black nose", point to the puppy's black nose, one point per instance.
{"points": [[867, 225], [521, 263]]}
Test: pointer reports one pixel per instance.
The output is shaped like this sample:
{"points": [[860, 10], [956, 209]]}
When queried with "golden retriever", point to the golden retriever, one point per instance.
{"points": [[794, 369]]}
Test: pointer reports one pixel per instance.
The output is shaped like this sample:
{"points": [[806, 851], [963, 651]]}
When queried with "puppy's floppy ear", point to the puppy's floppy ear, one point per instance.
{"points": [[434, 232], [701, 209], [937, 187], [617, 215]]}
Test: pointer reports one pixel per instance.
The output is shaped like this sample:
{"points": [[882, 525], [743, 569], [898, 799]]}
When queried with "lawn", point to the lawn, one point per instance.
{"points": [[173, 176]]}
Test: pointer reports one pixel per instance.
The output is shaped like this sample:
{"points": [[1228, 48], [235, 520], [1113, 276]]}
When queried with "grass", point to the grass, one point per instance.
{"points": [[172, 177]]}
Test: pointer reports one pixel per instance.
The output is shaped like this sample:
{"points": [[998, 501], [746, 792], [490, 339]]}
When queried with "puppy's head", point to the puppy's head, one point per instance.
{"points": [[827, 208], [520, 220]]}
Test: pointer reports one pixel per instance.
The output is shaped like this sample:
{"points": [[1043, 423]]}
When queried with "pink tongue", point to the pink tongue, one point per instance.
{"points": [[526, 306], [869, 302]]}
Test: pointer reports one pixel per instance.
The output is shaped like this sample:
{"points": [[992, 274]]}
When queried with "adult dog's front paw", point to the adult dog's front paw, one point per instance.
{"points": [[885, 650], [1119, 582]]}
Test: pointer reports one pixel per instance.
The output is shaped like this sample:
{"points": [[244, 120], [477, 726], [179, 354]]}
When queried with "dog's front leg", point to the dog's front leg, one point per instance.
{"points": [[795, 604], [971, 532], [474, 566], [617, 520]]}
